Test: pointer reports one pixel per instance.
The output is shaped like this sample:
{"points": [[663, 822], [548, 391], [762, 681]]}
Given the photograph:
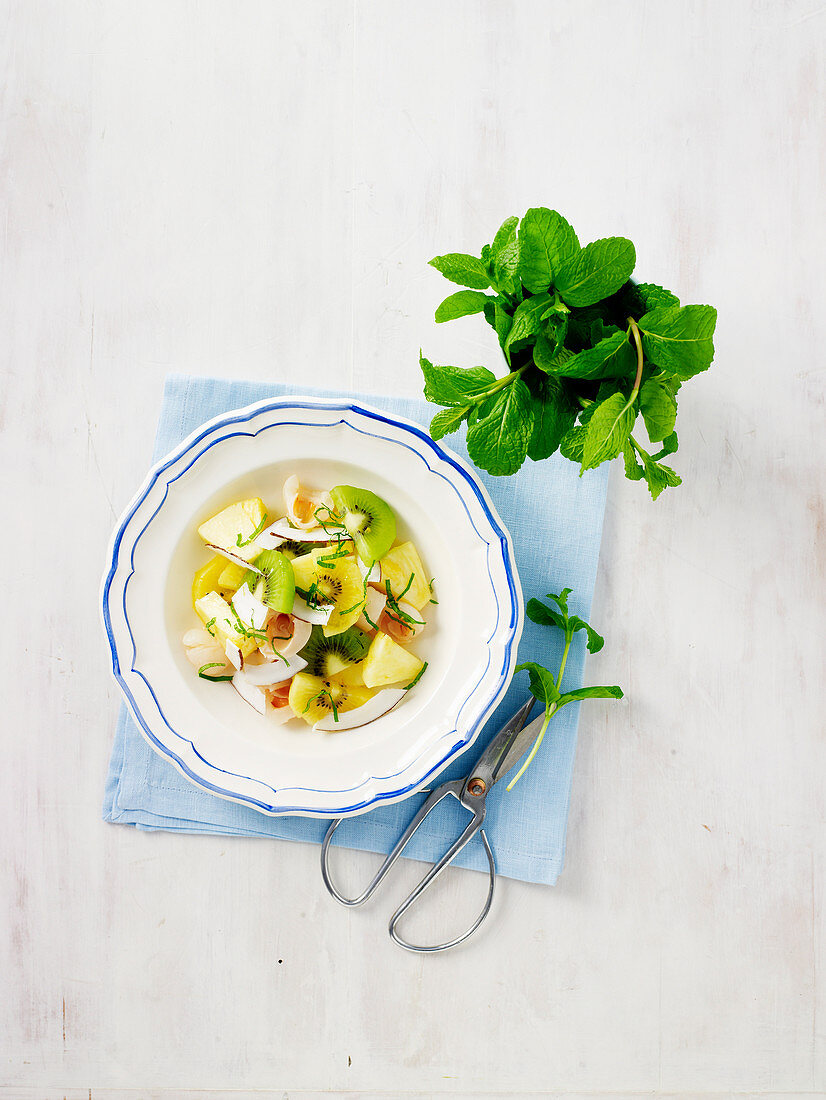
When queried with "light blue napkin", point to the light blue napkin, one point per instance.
{"points": [[555, 518]]}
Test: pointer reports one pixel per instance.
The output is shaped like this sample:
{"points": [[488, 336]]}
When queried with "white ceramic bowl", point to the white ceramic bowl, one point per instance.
{"points": [[207, 730]]}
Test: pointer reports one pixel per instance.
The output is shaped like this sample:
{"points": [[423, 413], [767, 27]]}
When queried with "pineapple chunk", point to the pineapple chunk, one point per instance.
{"points": [[388, 663], [398, 566], [215, 607], [208, 578], [240, 519], [304, 570], [232, 576]]}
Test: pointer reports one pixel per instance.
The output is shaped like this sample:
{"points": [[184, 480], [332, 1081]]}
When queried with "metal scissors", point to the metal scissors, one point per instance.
{"points": [[504, 750]]}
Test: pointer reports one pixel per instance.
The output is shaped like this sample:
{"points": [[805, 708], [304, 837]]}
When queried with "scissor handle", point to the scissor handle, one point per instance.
{"points": [[430, 877], [473, 827]]}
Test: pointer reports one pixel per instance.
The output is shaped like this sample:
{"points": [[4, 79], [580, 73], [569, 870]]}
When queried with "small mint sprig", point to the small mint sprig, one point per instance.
{"points": [[546, 687]]}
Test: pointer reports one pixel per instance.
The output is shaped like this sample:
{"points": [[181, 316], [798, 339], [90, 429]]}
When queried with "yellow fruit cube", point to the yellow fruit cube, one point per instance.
{"points": [[401, 565], [304, 570], [214, 612], [207, 578], [389, 663], [236, 525], [231, 576]]}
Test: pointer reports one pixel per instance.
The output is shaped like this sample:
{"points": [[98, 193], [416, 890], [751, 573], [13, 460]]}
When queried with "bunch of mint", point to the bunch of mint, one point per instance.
{"points": [[588, 351]]}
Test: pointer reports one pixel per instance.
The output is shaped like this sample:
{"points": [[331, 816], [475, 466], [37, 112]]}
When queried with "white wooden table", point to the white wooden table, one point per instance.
{"points": [[253, 190]]}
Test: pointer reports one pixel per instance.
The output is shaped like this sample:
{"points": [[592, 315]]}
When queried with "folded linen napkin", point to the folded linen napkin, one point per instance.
{"points": [[555, 519]]}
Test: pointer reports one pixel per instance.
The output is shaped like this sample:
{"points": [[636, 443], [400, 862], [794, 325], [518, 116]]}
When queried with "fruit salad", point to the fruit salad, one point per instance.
{"points": [[313, 616]]}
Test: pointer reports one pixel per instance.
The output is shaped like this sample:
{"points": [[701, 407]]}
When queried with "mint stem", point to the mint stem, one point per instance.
{"points": [[568, 638], [635, 332], [500, 384], [550, 710]]}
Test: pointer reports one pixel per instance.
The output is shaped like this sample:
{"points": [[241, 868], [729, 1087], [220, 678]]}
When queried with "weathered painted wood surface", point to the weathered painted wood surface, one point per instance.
{"points": [[254, 190]]}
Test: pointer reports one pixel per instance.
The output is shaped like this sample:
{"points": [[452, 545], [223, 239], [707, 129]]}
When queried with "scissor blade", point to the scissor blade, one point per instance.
{"points": [[508, 746], [521, 743]]}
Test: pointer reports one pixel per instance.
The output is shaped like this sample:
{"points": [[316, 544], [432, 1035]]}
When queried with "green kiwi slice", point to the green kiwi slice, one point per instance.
{"points": [[327, 656], [369, 520], [276, 588]]}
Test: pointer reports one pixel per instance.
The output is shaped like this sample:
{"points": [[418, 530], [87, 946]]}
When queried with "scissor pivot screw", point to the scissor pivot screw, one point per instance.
{"points": [[477, 787]]}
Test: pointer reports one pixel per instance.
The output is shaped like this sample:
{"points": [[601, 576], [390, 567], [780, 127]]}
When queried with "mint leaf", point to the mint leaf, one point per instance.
{"points": [[652, 296], [526, 321], [504, 236], [659, 477], [462, 269], [669, 446], [540, 613], [601, 331], [556, 329], [613, 692], [553, 416], [613, 357], [561, 600], [608, 430], [447, 421], [633, 470], [546, 243], [572, 443], [658, 406], [499, 441], [503, 263], [502, 321], [543, 686], [461, 304], [454, 385], [595, 641], [596, 271], [549, 357], [679, 340]]}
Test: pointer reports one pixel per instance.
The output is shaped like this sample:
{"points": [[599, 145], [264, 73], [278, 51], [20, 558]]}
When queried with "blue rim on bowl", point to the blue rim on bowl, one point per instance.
{"points": [[155, 701]]}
